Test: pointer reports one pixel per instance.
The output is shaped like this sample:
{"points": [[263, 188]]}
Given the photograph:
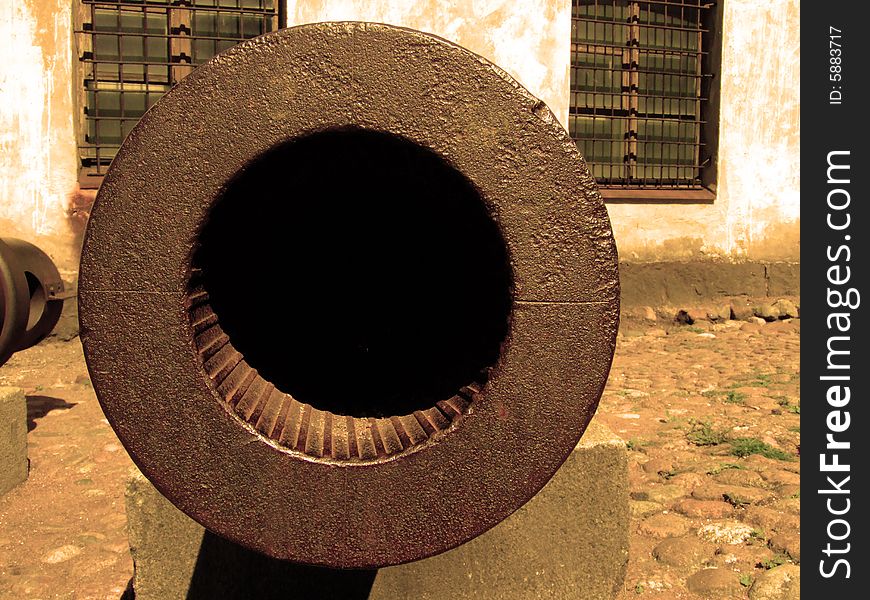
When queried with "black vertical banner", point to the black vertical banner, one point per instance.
{"points": [[835, 346]]}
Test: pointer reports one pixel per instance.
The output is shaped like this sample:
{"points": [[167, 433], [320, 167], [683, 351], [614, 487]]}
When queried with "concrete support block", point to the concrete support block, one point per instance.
{"points": [[570, 541], [13, 438]]}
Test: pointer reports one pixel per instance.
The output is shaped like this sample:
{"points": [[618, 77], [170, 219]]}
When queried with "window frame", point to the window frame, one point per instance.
{"points": [[178, 35], [710, 51]]}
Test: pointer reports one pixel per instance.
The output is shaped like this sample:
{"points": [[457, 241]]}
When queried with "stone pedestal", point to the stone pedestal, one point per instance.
{"points": [[569, 541], [13, 438]]}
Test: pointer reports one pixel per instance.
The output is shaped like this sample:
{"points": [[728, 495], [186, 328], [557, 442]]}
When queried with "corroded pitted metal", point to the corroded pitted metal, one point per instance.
{"points": [[309, 416]]}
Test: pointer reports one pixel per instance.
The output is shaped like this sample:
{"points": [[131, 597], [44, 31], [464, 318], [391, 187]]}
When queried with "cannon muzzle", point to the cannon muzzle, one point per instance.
{"points": [[349, 295], [31, 296]]}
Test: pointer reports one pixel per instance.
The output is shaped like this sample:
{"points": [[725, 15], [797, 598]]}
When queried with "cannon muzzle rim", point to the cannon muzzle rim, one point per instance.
{"points": [[170, 384]]}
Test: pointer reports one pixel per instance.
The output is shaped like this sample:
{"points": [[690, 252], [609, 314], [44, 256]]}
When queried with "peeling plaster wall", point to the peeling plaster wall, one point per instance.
{"points": [[760, 128], [756, 214], [38, 155], [531, 40]]}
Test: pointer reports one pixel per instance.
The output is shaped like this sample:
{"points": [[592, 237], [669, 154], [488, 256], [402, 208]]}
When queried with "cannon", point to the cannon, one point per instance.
{"points": [[31, 296], [348, 295]]}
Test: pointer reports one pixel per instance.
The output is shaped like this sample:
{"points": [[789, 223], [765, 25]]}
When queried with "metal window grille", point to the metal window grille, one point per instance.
{"points": [[640, 86], [134, 51]]}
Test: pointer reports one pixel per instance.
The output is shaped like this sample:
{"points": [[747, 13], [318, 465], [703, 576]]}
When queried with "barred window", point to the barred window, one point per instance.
{"points": [[644, 97], [133, 51]]}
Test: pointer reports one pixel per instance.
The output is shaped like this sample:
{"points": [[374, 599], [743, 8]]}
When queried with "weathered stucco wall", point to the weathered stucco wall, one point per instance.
{"points": [[38, 156], [531, 40], [756, 214]]}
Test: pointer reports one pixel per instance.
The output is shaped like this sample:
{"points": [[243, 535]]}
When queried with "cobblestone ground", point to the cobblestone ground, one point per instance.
{"points": [[711, 414]]}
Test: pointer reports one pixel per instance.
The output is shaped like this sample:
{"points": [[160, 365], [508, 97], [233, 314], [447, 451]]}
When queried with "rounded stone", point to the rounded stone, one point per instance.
{"points": [[768, 312], [706, 509], [781, 477], [779, 583], [664, 525], [715, 583], [752, 327], [788, 542], [684, 551], [771, 520], [176, 273], [741, 477], [688, 481], [665, 494], [741, 310], [787, 309], [61, 554], [658, 466], [644, 508], [789, 491]]}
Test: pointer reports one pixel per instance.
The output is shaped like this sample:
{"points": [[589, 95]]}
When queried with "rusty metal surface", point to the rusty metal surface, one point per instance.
{"points": [[296, 475]]}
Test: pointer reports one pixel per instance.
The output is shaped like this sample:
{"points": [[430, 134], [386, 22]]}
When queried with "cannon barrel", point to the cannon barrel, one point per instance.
{"points": [[31, 296], [349, 295]]}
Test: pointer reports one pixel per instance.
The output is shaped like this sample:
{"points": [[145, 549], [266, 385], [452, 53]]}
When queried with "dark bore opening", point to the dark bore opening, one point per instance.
{"points": [[359, 273]]}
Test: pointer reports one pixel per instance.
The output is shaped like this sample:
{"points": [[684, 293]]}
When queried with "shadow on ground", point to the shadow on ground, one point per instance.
{"points": [[229, 571], [259, 576], [39, 406]]}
